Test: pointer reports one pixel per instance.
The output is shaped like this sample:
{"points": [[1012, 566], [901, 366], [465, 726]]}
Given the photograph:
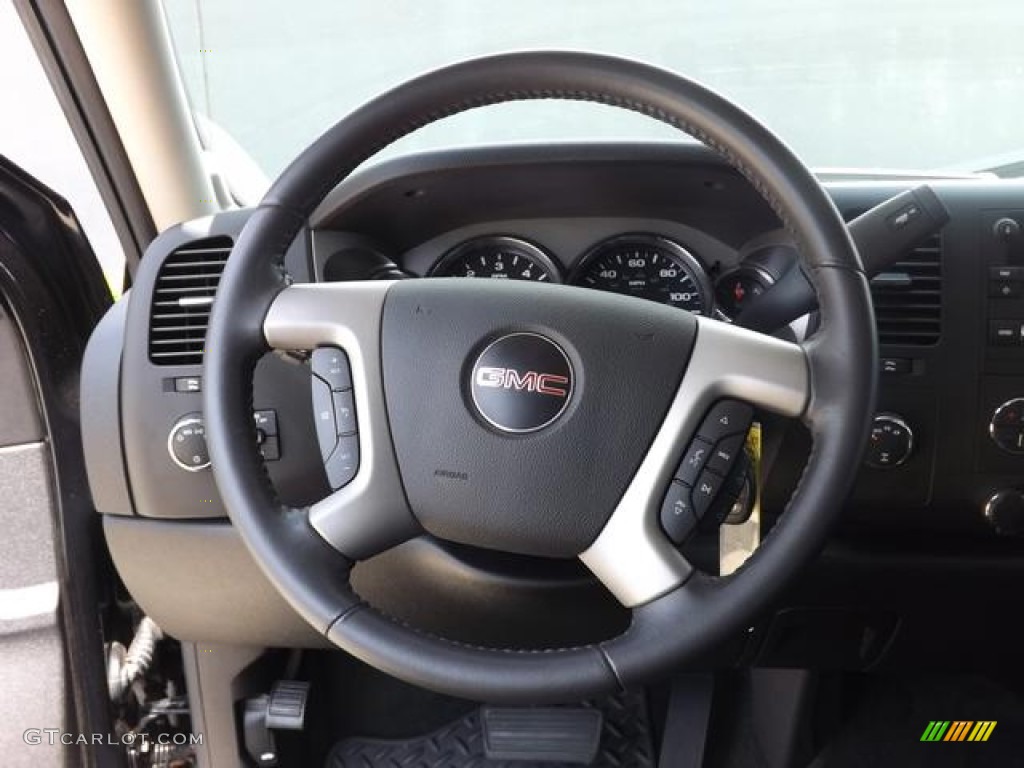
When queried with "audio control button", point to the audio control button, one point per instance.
{"points": [[726, 417], [693, 462], [331, 365], [345, 412], [677, 518], [323, 417], [342, 465]]}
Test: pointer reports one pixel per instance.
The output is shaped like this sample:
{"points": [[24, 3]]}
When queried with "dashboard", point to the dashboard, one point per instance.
{"points": [[667, 223]]}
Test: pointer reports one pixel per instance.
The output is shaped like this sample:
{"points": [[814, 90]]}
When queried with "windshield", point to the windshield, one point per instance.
{"points": [[874, 84]]}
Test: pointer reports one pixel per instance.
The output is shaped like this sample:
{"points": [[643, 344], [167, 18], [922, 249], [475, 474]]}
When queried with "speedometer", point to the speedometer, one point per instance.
{"points": [[648, 267], [507, 258]]}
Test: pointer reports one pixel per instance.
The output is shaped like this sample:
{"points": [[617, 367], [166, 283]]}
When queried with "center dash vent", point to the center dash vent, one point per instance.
{"points": [[908, 297], [182, 300]]}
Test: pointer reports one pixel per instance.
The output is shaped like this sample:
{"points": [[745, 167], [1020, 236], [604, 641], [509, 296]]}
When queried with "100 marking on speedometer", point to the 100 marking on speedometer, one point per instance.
{"points": [[648, 267]]}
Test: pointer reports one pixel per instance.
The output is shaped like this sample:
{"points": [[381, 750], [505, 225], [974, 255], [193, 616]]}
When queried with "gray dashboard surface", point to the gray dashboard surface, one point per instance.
{"points": [[412, 210]]}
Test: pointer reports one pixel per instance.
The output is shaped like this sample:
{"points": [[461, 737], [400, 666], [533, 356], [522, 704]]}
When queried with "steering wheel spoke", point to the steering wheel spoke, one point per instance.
{"points": [[369, 512], [632, 556]]}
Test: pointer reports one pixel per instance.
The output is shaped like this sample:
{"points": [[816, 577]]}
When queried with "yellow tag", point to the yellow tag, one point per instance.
{"points": [[737, 542]]}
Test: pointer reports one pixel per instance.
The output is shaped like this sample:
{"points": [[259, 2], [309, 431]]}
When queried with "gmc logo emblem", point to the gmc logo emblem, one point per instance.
{"points": [[527, 381]]}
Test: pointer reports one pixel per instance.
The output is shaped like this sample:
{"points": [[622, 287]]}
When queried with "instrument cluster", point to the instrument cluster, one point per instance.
{"points": [[640, 264]]}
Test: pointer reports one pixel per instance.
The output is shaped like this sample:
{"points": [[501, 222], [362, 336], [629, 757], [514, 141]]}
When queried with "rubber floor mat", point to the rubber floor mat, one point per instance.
{"points": [[625, 743]]}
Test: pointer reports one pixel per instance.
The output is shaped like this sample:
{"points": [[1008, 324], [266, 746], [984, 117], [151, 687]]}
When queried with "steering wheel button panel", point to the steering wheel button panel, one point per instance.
{"points": [[677, 517], [331, 365], [334, 412]]}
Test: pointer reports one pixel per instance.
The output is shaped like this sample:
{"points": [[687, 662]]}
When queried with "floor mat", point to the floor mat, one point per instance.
{"points": [[886, 726], [626, 742]]}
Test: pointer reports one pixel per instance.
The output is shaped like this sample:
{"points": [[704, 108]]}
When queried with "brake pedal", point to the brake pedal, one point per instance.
{"points": [[283, 709], [556, 734]]}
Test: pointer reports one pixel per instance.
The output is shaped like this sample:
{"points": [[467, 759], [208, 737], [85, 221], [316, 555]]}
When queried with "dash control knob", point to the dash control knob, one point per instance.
{"points": [[1007, 426], [1005, 512], [187, 444], [891, 442], [1006, 228]]}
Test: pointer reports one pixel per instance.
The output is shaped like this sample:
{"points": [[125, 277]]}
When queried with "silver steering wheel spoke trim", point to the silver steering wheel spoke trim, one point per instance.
{"points": [[370, 514], [632, 556]]}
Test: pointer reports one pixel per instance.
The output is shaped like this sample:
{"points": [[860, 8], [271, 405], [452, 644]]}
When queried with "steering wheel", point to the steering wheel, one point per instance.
{"points": [[540, 420]]}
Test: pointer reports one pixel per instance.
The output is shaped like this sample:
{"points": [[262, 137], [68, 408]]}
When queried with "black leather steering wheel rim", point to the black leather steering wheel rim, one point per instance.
{"points": [[312, 576]]}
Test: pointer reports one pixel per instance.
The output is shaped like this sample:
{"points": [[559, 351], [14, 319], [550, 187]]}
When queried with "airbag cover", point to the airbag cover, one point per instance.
{"points": [[547, 484]]}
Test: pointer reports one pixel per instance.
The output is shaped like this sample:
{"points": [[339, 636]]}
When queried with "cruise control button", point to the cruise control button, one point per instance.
{"points": [[726, 417], [693, 462], [266, 421], [341, 467], [323, 416], [705, 492], [345, 412], [331, 365], [270, 448], [725, 453], [677, 518]]}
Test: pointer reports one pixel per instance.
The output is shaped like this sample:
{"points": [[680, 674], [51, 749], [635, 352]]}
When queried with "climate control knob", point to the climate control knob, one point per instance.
{"points": [[187, 444], [1007, 426], [891, 442], [1005, 512]]}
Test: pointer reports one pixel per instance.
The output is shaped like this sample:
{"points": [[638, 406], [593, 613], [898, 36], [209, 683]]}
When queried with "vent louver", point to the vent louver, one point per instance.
{"points": [[908, 298], [182, 300]]}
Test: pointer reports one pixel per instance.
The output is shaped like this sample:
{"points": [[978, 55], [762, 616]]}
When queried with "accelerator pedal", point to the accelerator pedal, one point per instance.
{"points": [[551, 735], [616, 732]]}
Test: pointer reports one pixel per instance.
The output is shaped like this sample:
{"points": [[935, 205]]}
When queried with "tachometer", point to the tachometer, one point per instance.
{"points": [[507, 258], [649, 267]]}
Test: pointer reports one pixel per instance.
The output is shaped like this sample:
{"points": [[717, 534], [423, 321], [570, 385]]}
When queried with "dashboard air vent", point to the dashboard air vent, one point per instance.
{"points": [[182, 299], [908, 298]]}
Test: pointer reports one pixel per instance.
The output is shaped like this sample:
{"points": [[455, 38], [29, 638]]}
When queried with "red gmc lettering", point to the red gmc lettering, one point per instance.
{"points": [[530, 381]]}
